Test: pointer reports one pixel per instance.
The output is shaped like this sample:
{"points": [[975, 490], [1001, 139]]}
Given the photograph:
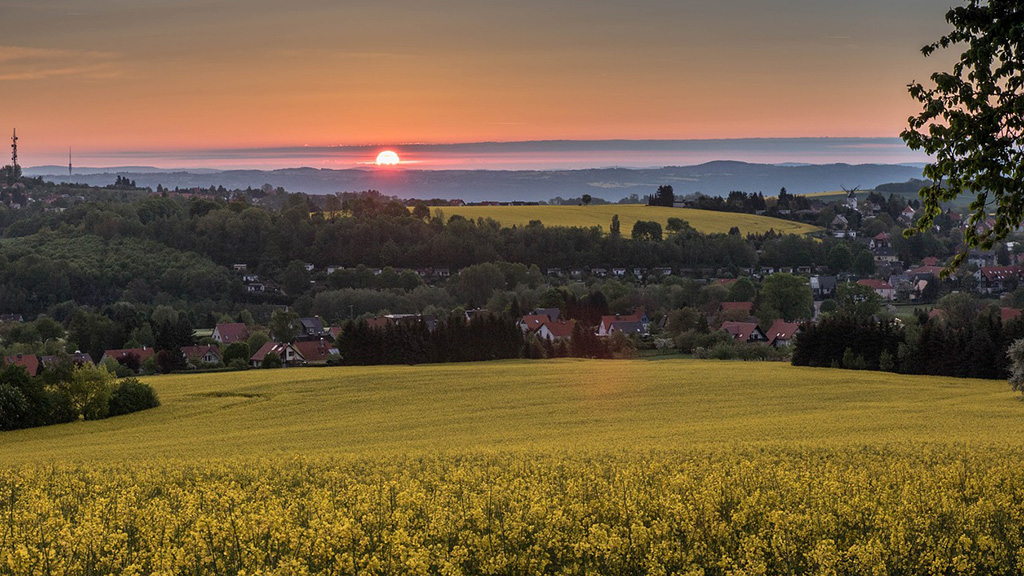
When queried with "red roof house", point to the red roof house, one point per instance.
{"points": [[30, 362], [229, 333], [561, 330], [286, 352], [781, 333], [745, 331], [624, 323], [121, 355], [315, 351]]}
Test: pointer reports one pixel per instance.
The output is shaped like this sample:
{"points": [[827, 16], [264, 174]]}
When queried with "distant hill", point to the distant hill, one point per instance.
{"points": [[715, 178]]}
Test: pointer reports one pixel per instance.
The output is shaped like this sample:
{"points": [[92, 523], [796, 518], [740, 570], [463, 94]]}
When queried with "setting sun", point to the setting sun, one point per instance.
{"points": [[387, 158]]}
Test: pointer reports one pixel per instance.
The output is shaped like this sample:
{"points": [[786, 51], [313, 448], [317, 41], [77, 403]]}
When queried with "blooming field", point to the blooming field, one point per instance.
{"points": [[926, 511], [564, 467]]}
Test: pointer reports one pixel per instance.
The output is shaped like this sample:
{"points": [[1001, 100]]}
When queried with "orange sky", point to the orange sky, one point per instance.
{"points": [[170, 74]]}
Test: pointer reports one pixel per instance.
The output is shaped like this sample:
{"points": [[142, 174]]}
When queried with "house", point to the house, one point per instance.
{"points": [[781, 333], [556, 331], [745, 331], [823, 287], [316, 351], [997, 279], [533, 322], [250, 278], [30, 362], [79, 358], [124, 355], [624, 323], [926, 272], [309, 267], [286, 352], [229, 333], [255, 287], [930, 261], [881, 240], [239, 267], [619, 272], [334, 332], [881, 287], [908, 214], [311, 328], [5, 318], [199, 355], [556, 272]]}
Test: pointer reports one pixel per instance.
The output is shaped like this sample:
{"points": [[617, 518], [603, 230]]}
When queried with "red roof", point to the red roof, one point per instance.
{"points": [[534, 321], [275, 347], [930, 261], [781, 330], [607, 321], [29, 362], [925, 271], [313, 350], [378, 322], [234, 332], [996, 273], [875, 284], [1006, 314], [198, 352], [740, 330], [882, 236], [561, 329]]}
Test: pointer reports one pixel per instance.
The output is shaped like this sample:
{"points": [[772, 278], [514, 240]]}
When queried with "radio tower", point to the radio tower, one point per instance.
{"points": [[14, 149], [69, 160]]}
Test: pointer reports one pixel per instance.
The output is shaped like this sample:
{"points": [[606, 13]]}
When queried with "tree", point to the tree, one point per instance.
{"points": [[665, 196], [616, 227], [587, 199], [971, 122], [788, 296], [284, 325], [840, 258], [295, 278], [857, 301], [644, 230]]}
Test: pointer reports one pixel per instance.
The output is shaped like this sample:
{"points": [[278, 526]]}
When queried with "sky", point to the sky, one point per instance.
{"points": [[164, 80]]}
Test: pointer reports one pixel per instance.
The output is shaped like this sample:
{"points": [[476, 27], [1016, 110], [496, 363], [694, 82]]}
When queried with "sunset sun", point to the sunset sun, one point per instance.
{"points": [[387, 158]]}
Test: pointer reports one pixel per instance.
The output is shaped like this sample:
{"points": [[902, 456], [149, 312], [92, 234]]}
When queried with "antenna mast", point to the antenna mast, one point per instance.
{"points": [[69, 160], [14, 149]]}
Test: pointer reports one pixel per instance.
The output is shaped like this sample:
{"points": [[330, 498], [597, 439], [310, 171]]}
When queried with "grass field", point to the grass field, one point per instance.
{"points": [[522, 405], [551, 467], [705, 221]]}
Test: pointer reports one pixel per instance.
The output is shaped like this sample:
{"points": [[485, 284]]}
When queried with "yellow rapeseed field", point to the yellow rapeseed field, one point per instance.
{"points": [[519, 467], [706, 221]]}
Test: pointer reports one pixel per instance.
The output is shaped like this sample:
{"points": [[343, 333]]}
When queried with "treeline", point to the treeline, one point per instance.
{"points": [[484, 337], [972, 345], [66, 393]]}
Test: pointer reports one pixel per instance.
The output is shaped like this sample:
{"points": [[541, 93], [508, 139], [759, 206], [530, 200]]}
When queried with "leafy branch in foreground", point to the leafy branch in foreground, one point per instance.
{"points": [[972, 122]]}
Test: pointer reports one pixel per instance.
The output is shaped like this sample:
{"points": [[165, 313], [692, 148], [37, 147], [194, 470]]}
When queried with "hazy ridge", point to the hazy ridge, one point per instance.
{"points": [[716, 178]]}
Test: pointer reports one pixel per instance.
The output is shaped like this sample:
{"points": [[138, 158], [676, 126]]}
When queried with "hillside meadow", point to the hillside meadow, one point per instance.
{"points": [[531, 405], [705, 221], [520, 467]]}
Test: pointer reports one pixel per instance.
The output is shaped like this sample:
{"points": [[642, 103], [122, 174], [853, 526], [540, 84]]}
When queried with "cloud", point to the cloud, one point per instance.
{"points": [[25, 63]]}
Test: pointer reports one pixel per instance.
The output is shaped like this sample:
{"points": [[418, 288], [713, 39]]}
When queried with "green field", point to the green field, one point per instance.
{"points": [[528, 467], [527, 405], [705, 221]]}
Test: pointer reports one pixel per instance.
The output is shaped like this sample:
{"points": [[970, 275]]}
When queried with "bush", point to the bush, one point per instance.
{"points": [[271, 360], [130, 395], [239, 364]]}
